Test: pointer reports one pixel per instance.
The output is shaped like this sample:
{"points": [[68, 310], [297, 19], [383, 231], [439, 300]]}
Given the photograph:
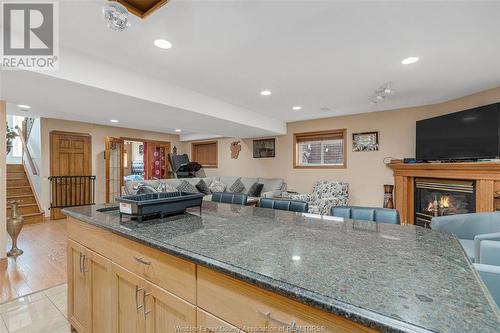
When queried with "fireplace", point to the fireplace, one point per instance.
{"points": [[440, 197]]}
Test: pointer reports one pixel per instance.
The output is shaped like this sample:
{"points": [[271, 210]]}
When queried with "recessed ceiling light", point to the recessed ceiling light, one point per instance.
{"points": [[297, 108], [23, 106], [178, 130], [295, 258], [162, 44], [265, 92], [113, 120], [409, 60]]}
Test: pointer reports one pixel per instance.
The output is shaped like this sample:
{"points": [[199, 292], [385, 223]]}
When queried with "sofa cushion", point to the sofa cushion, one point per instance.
{"points": [[248, 182], [217, 186], [468, 246], [228, 180], [203, 187], [255, 190], [185, 186], [166, 187], [271, 184], [237, 186]]}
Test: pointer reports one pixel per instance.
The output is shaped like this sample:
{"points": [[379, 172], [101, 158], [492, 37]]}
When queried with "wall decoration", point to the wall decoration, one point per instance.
{"points": [[141, 149], [174, 150], [367, 141], [264, 148], [235, 149]]}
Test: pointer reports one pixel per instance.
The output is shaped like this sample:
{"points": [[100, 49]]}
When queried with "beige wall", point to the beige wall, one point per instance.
{"points": [[366, 172], [3, 181], [98, 133]]}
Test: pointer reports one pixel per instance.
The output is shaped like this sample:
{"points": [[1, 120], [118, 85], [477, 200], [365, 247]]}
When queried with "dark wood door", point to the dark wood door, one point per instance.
{"points": [[70, 155]]}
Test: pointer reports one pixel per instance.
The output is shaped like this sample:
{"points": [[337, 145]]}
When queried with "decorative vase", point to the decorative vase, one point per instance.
{"points": [[388, 200], [9, 146], [14, 225]]}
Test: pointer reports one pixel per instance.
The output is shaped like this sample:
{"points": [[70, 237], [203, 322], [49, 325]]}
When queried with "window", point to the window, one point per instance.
{"points": [[17, 149], [205, 153], [325, 149]]}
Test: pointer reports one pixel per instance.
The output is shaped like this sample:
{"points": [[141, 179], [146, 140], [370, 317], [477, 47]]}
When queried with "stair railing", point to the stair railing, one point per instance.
{"points": [[26, 151], [72, 191]]}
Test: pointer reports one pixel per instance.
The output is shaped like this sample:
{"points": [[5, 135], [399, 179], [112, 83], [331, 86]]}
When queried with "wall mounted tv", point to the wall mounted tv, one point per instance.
{"points": [[466, 135]]}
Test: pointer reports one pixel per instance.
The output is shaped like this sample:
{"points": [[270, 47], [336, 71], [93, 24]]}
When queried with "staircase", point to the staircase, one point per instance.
{"points": [[18, 188]]}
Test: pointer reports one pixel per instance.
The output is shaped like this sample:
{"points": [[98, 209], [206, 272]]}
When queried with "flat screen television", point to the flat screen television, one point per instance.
{"points": [[466, 135]]}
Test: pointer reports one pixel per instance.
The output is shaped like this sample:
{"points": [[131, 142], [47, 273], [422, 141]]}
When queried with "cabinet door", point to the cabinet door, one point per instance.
{"points": [[167, 313], [78, 288], [99, 272], [209, 323], [127, 297]]}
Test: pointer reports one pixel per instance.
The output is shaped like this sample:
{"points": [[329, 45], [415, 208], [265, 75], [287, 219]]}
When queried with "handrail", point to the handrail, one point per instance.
{"points": [[26, 150]]}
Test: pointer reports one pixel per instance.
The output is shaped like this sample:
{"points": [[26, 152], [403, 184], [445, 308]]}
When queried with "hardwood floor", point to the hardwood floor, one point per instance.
{"points": [[41, 266]]}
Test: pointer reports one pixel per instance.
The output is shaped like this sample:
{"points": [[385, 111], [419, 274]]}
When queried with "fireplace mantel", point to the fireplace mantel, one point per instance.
{"points": [[486, 175]]}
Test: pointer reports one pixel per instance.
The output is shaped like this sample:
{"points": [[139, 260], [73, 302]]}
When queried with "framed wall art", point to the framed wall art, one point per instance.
{"points": [[264, 148], [367, 141]]}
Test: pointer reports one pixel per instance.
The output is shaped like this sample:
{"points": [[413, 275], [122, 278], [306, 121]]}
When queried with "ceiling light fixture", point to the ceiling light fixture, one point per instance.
{"points": [[162, 44], [382, 93], [297, 108], [409, 60], [114, 120], [265, 92], [178, 130], [116, 16], [23, 106]]}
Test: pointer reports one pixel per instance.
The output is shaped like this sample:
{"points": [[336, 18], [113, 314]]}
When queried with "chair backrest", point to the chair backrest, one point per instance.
{"points": [[230, 198], [467, 226], [282, 204], [382, 215], [491, 277], [489, 252]]}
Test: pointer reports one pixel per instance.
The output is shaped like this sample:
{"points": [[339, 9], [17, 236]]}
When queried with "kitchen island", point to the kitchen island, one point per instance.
{"points": [[251, 269]]}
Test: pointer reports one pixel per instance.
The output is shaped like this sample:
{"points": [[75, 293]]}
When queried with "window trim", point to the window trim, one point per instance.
{"points": [[321, 135], [200, 143]]}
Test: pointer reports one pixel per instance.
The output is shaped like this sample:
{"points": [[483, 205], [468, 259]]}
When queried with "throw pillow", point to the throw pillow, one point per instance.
{"points": [[185, 186], [217, 186], [255, 190], [237, 186], [165, 187], [146, 189], [202, 187]]}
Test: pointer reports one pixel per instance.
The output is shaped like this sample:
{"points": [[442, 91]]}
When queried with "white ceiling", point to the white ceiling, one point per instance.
{"points": [[311, 53]]}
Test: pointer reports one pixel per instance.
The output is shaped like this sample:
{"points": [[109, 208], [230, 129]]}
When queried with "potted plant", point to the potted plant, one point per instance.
{"points": [[11, 135]]}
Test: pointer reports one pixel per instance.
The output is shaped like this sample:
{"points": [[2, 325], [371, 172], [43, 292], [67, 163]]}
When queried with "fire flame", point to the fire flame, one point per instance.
{"points": [[444, 202]]}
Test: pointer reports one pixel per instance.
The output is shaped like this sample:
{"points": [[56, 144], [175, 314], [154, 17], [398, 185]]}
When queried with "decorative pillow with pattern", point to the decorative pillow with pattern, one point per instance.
{"points": [[165, 187], [237, 186], [185, 186], [146, 189], [217, 186], [202, 187]]}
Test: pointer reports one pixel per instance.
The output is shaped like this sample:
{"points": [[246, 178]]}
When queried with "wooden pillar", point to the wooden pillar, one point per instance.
{"points": [[3, 181]]}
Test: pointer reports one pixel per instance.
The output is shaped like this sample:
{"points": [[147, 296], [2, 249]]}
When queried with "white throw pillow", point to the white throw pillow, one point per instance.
{"points": [[217, 186]]}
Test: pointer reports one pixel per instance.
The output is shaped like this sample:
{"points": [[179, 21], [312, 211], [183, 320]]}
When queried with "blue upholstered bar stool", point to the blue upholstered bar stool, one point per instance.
{"points": [[283, 204], [230, 198], [382, 215], [470, 229], [489, 267]]}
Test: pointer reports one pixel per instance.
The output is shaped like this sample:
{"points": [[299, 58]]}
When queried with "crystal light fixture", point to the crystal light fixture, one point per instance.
{"points": [[116, 16], [382, 93]]}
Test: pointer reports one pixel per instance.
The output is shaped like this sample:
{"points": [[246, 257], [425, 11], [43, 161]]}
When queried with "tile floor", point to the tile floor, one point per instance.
{"points": [[44, 311]]}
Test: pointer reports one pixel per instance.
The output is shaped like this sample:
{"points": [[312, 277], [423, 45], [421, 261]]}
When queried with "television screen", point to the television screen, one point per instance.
{"points": [[469, 134]]}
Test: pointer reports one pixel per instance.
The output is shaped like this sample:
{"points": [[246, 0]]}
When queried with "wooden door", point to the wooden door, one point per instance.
{"points": [[165, 312], [78, 288], [156, 165], [70, 155], [127, 301], [114, 168], [100, 277]]}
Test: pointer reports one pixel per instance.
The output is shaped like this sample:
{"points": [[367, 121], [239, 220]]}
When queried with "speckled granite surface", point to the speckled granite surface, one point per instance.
{"points": [[389, 277]]}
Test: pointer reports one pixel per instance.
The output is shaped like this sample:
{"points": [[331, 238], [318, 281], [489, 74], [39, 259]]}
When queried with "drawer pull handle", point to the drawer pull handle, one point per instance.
{"points": [[80, 262], [292, 327], [84, 270], [137, 289], [142, 261]]}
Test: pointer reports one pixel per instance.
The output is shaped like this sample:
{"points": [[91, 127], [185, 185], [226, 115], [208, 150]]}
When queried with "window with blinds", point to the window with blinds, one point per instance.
{"points": [[205, 153], [325, 149]]}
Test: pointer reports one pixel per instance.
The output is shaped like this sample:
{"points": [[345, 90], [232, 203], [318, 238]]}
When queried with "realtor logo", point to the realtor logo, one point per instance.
{"points": [[30, 35]]}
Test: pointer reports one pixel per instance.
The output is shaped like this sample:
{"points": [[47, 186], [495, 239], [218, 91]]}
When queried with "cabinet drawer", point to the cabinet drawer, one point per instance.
{"points": [[168, 272], [209, 323], [94, 238], [246, 306]]}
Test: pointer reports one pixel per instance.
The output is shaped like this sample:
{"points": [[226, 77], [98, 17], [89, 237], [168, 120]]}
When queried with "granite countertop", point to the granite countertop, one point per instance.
{"points": [[389, 277]]}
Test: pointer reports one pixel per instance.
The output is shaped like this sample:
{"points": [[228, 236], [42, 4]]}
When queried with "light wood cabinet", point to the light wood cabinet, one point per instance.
{"points": [[89, 289]]}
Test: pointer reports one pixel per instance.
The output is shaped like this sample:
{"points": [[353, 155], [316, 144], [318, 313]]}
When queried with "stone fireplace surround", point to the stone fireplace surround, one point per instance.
{"points": [[485, 174]]}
